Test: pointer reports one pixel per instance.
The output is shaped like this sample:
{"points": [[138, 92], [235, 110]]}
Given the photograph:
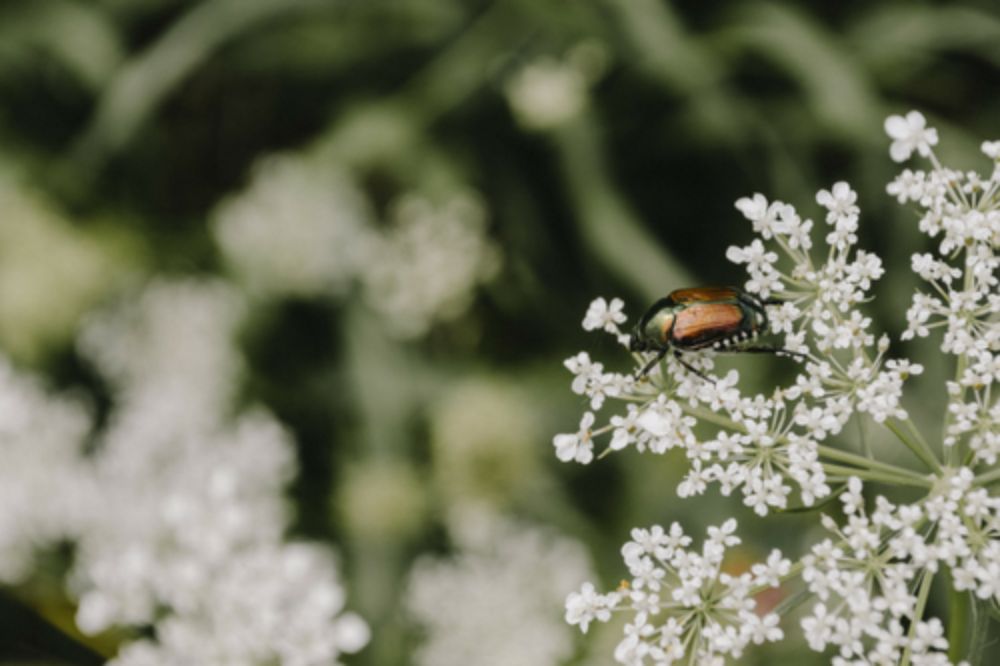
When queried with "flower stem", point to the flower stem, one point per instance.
{"points": [[874, 475], [868, 463], [59, 613], [919, 447], [918, 612], [917, 435], [958, 617], [987, 478], [710, 416]]}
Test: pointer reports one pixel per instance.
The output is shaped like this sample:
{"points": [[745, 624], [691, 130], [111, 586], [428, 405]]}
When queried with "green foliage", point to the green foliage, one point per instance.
{"points": [[123, 124]]}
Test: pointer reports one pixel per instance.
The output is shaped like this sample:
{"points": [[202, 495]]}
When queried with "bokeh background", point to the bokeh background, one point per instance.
{"points": [[415, 200]]}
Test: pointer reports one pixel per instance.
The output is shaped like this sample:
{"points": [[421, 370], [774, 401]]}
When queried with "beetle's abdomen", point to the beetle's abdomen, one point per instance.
{"points": [[700, 325]]}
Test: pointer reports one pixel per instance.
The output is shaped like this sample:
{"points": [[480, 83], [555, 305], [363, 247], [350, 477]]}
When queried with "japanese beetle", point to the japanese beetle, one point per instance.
{"points": [[722, 318]]}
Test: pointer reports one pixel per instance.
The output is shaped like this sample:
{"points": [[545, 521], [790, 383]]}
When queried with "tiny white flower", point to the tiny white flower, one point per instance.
{"points": [[604, 315], [840, 202], [910, 133], [577, 446], [587, 605]]}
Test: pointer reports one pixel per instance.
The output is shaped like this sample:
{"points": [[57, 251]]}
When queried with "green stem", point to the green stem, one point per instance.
{"points": [[958, 618], [710, 416], [144, 82], [919, 448], [863, 461], [59, 613], [918, 612], [987, 478], [917, 435], [873, 475]]}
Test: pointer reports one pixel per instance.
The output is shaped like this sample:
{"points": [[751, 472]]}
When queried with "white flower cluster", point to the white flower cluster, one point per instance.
{"points": [[299, 228], [302, 228], [686, 608], [186, 532], [169, 348], [177, 515], [42, 489], [508, 577], [870, 582], [768, 445], [277, 604], [426, 266], [961, 211], [867, 581], [818, 300]]}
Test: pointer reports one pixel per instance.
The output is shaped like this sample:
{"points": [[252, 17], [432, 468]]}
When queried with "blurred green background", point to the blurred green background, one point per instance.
{"points": [[605, 143]]}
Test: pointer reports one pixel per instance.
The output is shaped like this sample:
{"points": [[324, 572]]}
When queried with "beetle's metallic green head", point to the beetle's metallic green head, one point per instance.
{"points": [[636, 342]]}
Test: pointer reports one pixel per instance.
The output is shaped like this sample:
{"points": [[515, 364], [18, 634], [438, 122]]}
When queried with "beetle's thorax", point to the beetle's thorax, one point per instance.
{"points": [[656, 328]]}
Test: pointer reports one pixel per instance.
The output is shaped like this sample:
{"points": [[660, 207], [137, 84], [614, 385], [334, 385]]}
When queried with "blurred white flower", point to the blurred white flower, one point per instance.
{"points": [[546, 93], [176, 504], [424, 268], [272, 604], [549, 91], [184, 532], [382, 501], [302, 228], [484, 434], [43, 488], [299, 229], [991, 149], [496, 602], [171, 345]]}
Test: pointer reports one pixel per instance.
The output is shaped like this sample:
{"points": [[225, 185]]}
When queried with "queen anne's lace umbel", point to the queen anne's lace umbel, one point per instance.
{"points": [[177, 515], [870, 579]]}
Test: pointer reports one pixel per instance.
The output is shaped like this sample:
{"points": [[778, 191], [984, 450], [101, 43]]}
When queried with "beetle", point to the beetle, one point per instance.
{"points": [[686, 320]]}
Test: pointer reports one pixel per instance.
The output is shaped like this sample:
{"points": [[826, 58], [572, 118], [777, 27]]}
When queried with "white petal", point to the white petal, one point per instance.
{"points": [[897, 127], [900, 151]]}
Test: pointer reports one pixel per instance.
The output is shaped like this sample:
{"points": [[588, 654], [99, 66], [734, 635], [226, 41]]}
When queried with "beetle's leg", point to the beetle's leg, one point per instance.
{"points": [[649, 366], [777, 351], [691, 368]]}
